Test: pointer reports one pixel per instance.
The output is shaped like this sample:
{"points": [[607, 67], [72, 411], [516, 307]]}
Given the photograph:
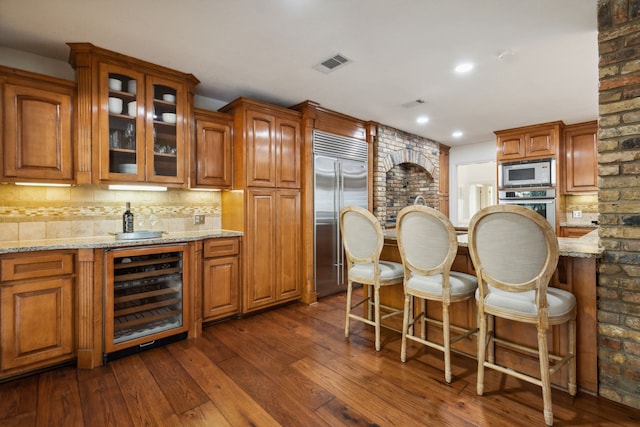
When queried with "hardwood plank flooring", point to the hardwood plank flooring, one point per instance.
{"points": [[292, 367]]}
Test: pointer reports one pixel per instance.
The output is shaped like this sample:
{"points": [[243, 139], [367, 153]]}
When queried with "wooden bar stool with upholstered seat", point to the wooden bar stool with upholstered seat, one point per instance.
{"points": [[515, 253], [428, 246], [363, 240]]}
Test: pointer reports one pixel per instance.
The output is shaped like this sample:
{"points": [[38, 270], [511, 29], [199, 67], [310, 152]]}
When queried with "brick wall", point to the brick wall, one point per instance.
{"points": [[405, 166], [619, 201]]}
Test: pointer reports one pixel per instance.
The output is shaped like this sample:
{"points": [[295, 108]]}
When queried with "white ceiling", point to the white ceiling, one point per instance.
{"points": [[402, 50]]}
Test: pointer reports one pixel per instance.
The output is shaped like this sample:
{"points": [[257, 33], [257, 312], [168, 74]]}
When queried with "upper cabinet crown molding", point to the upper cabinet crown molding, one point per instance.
{"points": [[83, 55], [135, 141], [37, 127]]}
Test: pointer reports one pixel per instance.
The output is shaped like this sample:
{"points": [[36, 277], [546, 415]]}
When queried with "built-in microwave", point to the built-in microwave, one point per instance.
{"points": [[528, 173]]}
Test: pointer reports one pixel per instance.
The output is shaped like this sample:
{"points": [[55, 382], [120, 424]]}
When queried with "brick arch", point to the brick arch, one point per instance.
{"points": [[408, 156]]}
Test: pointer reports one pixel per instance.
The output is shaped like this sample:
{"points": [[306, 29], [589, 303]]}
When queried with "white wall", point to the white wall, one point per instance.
{"points": [[466, 155], [36, 64]]}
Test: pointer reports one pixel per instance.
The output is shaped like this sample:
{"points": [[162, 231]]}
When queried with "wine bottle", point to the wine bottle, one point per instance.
{"points": [[127, 220]]}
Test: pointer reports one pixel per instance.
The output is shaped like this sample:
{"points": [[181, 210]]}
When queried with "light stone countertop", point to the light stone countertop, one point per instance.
{"points": [[110, 241], [582, 247]]}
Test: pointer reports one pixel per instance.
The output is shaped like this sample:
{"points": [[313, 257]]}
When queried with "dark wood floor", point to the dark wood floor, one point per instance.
{"points": [[293, 367]]}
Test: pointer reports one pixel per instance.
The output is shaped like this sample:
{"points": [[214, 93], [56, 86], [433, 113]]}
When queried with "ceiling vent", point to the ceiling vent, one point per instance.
{"points": [[332, 63], [415, 103]]}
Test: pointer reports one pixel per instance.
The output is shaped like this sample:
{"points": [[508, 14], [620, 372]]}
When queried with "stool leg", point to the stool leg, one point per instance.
{"points": [[482, 349], [447, 342], [376, 308], [544, 376], [405, 327], [346, 323]]}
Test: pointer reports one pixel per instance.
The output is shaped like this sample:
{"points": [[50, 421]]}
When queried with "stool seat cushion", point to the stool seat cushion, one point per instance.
{"points": [[461, 283], [559, 302], [388, 271]]}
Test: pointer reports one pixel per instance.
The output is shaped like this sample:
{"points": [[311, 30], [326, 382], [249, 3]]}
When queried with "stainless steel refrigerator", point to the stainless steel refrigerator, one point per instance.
{"points": [[340, 179]]}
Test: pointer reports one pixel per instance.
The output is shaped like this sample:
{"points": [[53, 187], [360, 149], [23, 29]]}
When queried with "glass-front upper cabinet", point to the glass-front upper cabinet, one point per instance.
{"points": [[122, 139], [145, 139], [139, 115], [165, 145]]}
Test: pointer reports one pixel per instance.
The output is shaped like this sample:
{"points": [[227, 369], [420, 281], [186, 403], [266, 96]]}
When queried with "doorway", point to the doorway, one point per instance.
{"points": [[476, 189]]}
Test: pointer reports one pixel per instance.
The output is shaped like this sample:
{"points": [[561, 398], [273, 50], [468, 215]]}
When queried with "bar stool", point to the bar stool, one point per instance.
{"points": [[515, 253], [363, 240], [428, 245]]}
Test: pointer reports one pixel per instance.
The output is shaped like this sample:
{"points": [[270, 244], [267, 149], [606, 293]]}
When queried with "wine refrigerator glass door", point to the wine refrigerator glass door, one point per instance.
{"points": [[144, 295]]}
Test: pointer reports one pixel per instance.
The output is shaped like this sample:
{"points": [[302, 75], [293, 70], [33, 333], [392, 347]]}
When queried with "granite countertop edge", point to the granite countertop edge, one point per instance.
{"points": [[582, 247], [110, 241]]}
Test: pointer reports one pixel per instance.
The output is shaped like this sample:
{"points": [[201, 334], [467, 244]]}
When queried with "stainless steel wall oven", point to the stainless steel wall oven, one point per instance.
{"points": [[540, 200]]}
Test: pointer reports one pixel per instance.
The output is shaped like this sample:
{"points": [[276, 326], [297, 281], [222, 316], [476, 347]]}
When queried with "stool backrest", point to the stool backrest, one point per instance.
{"points": [[513, 249], [426, 239], [361, 235]]}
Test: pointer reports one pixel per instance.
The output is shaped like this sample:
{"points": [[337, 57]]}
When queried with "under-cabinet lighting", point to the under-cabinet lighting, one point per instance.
{"points": [[136, 187], [42, 184], [204, 189]]}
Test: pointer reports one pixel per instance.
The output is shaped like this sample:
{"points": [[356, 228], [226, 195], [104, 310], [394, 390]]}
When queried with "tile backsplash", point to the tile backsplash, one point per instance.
{"points": [[34, 213], [585, 203]]}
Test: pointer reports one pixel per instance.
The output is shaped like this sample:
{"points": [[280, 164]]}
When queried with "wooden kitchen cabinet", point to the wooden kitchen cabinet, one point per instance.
{"points": [[581, 157], [529, 142], [139, 115], [574, 231], [443, 183], [266, 167], [213, 153], [221, 278], [273, 260], [36, 310], [271, 148], [37, 127]]}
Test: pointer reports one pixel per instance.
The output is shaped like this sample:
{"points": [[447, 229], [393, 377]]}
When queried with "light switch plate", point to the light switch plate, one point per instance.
{"points": [[577, 214], [198, 219]]}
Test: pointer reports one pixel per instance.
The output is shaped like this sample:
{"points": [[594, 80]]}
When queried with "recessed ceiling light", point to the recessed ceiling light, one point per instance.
{"points": [[464, 68], [457, 134], [506, 54], [422, 120]]}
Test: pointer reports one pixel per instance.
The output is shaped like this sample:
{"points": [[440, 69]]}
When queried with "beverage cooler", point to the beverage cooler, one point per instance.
{"points": [[145, 298]]}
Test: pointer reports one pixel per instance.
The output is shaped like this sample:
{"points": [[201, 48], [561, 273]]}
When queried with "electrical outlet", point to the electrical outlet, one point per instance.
{"points": [[198, 219], [577, 214]]}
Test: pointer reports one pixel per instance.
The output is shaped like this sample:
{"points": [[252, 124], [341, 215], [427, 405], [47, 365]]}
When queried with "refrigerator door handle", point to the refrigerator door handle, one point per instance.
{"points": [[336, 215], [340, 196]]}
